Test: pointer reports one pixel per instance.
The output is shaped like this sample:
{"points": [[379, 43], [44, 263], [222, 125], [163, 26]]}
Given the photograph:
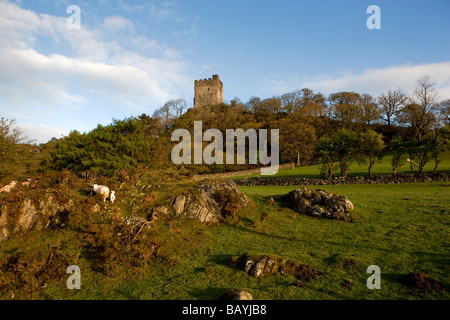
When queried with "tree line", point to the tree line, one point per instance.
{"points": [[334, 131]]}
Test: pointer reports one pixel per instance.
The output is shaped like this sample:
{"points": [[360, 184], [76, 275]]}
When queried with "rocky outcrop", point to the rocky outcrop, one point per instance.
{"points": [[320, 203], [210, 202], [378, 179], [259, 266], [32, 215]]}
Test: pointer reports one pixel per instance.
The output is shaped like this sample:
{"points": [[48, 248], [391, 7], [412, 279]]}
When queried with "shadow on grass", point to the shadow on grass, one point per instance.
{"points": [[211, 293], [221, 259], [321, 242]]}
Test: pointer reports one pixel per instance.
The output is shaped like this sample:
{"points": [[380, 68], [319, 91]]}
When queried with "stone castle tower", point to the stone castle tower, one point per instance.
{"points": [[208, 92]]}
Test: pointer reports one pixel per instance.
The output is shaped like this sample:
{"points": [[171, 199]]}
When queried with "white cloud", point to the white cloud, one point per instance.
{"points": [[372, 81], [39, 132], [60, 77]]}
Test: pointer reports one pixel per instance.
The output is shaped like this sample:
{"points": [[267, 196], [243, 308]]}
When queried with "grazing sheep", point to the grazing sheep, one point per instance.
{"points": [[112, 197], [8, 187], [409, 160], [103, 190]]}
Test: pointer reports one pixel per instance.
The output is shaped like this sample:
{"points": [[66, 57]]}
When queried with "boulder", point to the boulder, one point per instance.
{"points": [[237, 294], [178, 205], [210, 202], [320, 203], [259, 266], [158, 211]]}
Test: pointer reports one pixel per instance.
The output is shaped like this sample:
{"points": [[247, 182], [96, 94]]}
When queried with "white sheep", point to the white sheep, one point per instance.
{"points": [[103, 190], [8, 187], [112, 197]]}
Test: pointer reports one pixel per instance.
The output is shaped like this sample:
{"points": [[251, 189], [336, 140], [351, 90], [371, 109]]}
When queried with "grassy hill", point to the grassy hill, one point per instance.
{"points": [[401, 228]]}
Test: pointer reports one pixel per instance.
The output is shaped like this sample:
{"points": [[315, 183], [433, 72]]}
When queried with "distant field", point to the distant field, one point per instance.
{"points": [[401, 228], [358, 170]]}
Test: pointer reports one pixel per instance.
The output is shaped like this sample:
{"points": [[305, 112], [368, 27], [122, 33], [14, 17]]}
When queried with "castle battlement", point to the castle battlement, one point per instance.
{"points": [[209, 81], [208, 92]]}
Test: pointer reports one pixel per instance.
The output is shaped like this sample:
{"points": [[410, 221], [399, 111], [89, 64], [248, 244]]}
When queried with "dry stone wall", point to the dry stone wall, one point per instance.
{"points": [[385, 179]]}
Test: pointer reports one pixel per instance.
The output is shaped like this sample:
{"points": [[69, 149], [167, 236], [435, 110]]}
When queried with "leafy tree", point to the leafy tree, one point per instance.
{"points": [[121, 145], [253, 103], [268, 110], [397, 149], [345, 108], [423, 155], [346, 148], [297, 140], [11, 147], [371, 145], [419, 154], [326, 148], [410, 151], [341, 147], [438, 142], [304, 102]]}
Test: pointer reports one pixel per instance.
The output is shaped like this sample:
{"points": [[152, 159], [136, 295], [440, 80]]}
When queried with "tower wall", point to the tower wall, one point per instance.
{"points": [[208, 92]]}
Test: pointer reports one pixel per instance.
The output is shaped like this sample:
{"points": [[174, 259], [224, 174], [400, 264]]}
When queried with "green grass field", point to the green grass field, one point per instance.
{"points": [[401, 228], [382, 168]]}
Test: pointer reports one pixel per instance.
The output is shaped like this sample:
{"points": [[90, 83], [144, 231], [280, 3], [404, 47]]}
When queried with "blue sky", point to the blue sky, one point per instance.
{"points": [[129, 57]]}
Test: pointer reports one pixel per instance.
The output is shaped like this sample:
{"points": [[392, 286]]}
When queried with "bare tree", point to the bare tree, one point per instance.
{"points": [[419, 113], [172, 110], [444, 111], [389, 104], [291, 100], [369, 108], [253, 103]]}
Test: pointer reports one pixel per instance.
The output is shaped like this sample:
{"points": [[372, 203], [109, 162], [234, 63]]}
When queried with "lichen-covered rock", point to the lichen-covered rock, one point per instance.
{"points": [[320, 203], [178, 205], [32, 215], [135, 221], [210, 202], [259, 266]]}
